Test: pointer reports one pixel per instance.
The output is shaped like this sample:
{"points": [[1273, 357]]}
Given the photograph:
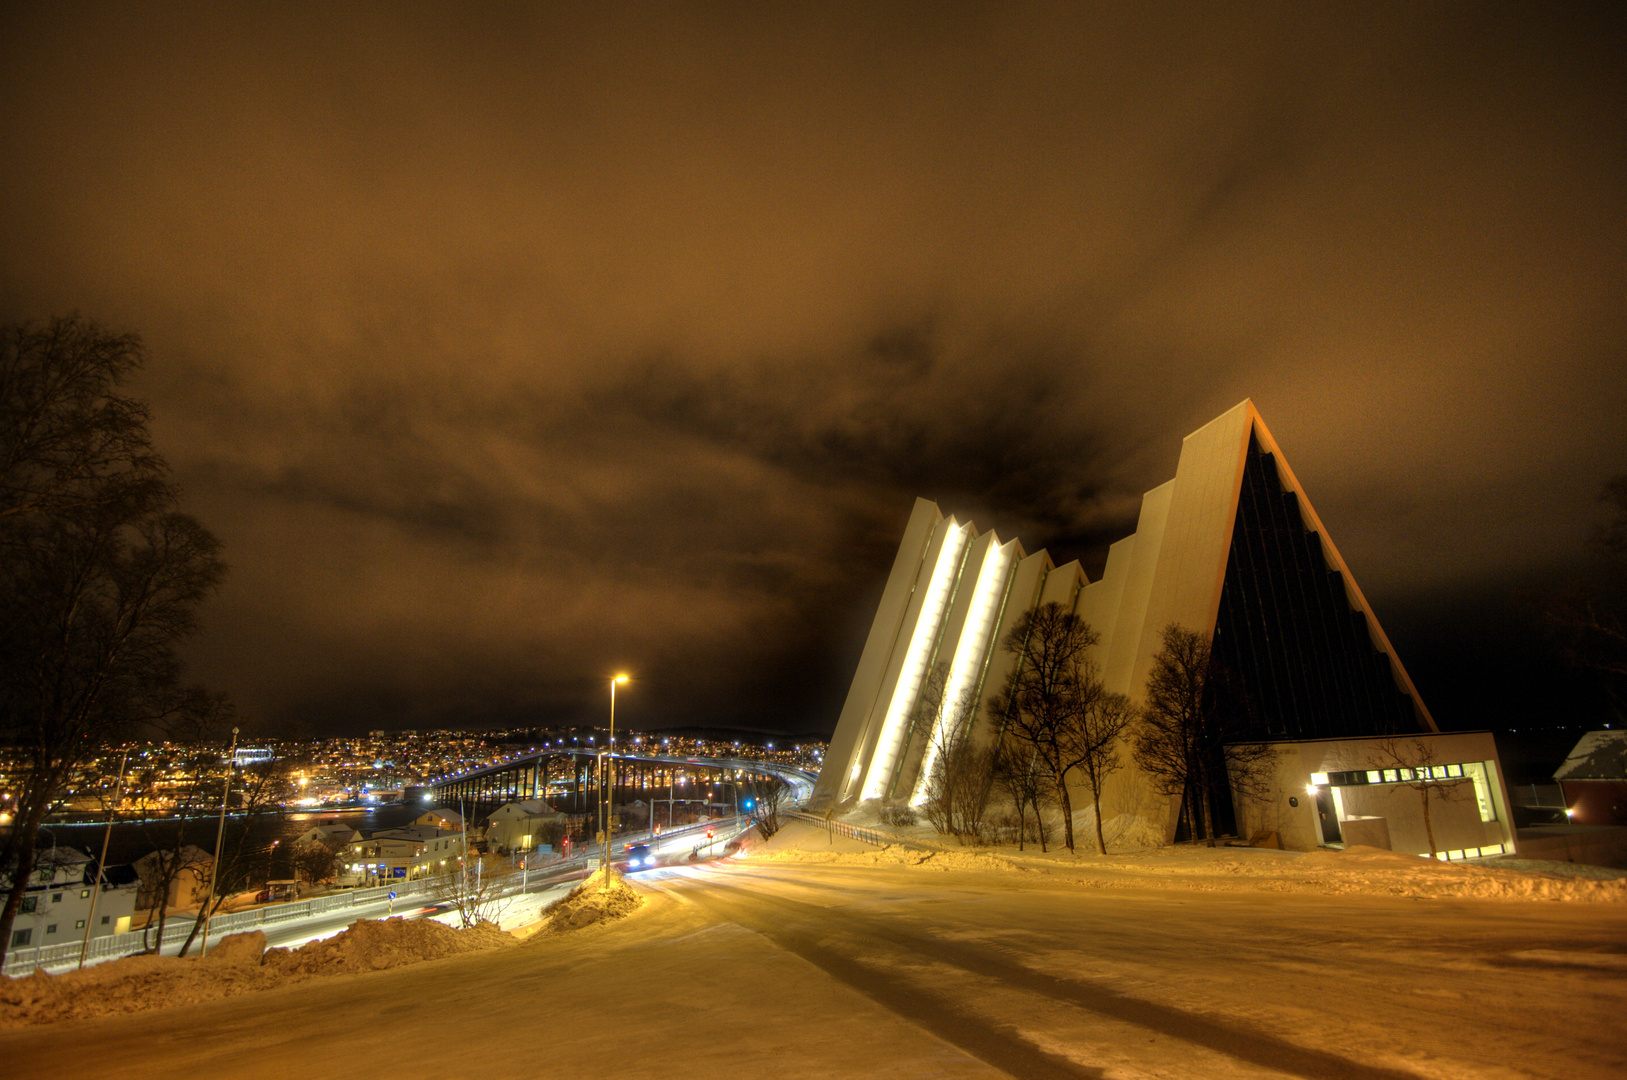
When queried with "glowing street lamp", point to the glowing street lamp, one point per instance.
{"points": [[609, 794]]}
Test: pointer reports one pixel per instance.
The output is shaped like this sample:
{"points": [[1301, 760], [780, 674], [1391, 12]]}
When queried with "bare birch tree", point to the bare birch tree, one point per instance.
{"points": [[1091, 746], [1047, 695], [1014, 769], [100, 573], [956, 784]]}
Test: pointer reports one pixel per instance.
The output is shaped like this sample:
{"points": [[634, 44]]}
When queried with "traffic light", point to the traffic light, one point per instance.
{"points": [[708, 834]]}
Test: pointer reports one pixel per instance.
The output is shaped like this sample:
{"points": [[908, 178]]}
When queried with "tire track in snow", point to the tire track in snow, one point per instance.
{"points": [[803, 928], [992, 1044]]}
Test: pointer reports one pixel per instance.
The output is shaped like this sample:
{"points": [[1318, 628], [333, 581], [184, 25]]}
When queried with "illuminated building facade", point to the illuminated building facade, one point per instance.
{"points": [[1232, 548]]}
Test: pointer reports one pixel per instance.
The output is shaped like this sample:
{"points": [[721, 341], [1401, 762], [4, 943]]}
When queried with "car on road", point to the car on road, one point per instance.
{"points": [[639, 857]]}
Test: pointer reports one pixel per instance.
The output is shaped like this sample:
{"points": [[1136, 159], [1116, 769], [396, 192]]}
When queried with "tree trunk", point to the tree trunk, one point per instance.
{"points": [[1067, 810], [1200, 797], [197, 924], [1429, 829], [162, 907], [1096, 802]]}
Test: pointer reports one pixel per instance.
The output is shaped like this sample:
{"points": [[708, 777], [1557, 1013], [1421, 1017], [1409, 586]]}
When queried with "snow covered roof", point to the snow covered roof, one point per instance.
{"points": [[524, 808], [1599, 755], [404, 832], [335, 833]]}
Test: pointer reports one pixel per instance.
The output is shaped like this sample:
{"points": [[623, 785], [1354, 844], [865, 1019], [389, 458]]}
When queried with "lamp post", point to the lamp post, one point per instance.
{"points": [[220, 833], [609, 793], [101, 865]]}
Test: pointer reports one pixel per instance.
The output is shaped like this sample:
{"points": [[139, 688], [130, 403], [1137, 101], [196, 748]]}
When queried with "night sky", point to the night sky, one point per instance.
{"points": [[507, 348]]}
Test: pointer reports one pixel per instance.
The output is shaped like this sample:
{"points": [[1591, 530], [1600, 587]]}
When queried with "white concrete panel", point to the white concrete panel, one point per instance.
{"points": [[973, 555], [1197, 536], [851, 727], [1100, 600], [945, 647], [909, 625], [971, 653], [1119, 663], [1021, 598], [1062, 585], [929, 610]]}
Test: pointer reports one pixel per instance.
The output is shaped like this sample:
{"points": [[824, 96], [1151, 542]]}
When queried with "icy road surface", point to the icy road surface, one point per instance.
{"points": [[791, 969]]}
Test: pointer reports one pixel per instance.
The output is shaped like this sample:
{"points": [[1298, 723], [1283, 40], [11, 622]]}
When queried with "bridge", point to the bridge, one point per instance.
{"points": [[573, 780]]}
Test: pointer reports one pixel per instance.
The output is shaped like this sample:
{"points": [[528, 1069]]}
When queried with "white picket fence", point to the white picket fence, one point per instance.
{"points": [[111, 946]]}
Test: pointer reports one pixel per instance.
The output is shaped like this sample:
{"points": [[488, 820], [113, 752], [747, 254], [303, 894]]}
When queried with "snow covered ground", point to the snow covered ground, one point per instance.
{"points": [[814, 957]]}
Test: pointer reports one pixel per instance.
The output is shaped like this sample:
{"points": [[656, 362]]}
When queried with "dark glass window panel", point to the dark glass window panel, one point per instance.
{"points": [[1299, 656]]}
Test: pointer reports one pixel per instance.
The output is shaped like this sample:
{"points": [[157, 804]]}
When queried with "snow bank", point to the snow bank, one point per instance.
{"points": [[804, 842], [1203, 869], [591, 902], [235, 965], [1126, 832], [376, 944], [1374, 870]]}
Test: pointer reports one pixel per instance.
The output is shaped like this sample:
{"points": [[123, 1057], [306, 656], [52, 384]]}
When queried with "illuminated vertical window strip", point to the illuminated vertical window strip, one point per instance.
{"points": [[896, 726], [969, 652]]}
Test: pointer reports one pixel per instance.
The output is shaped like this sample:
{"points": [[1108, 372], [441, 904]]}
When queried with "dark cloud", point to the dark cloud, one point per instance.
{"points": [[506, 347]]}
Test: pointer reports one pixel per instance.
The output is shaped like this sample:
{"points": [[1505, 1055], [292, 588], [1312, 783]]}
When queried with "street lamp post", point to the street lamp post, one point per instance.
{"points": [[609, 793]]}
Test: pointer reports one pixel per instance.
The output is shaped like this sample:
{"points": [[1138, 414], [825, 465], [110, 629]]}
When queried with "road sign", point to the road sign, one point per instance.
{"points": [[392, 894]]}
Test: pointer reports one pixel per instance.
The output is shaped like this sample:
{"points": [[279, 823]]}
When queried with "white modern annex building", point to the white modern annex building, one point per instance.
{"points": [[1232, 548]]}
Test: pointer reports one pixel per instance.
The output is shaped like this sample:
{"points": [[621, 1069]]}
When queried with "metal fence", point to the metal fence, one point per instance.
{"points": [[24, 961], [842, 828], [65, 955]]}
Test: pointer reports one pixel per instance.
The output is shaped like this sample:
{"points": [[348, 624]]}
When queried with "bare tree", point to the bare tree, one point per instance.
{"points": [[1091, 745], [548, 832], [314, 861], [260, 788], [957, 796], [1190, 715], [172, 855], [1055, 697], [1013, 767], [1588, 622], [765, 795], [474, 894], [956, 785], [1417, 767], [100, 574]]}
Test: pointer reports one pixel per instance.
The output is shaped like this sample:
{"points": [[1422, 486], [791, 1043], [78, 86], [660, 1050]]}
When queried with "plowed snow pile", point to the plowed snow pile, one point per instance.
{"points": [[590, 902], [1221, 869], [237, 965], [374, 944], [811, 847]]}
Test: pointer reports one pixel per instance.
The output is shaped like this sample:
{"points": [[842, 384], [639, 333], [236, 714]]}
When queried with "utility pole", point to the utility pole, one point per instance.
{"points": [[101, 864], [220, 834]]}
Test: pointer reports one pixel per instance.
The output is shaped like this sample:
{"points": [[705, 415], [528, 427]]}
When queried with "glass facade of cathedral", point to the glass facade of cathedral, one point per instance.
{"points": [[1287, 634]]}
